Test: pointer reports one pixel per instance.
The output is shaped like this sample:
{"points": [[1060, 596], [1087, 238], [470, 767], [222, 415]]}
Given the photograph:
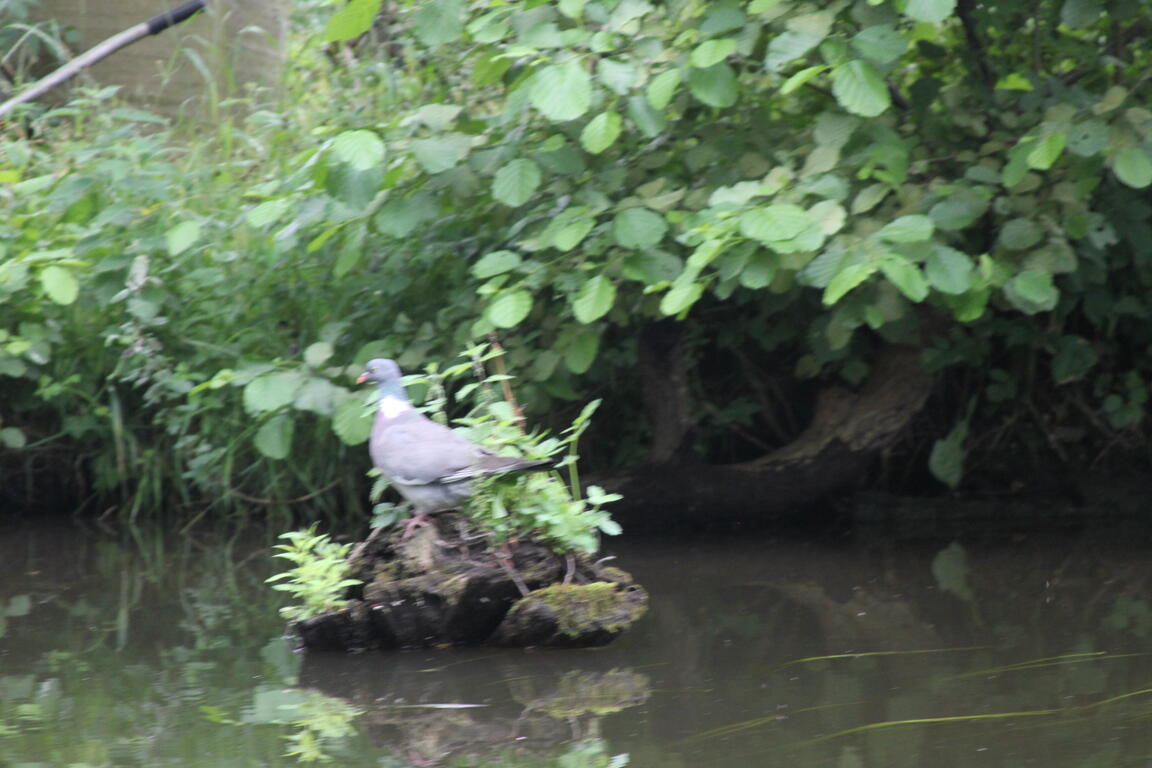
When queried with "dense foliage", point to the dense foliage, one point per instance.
{"points": [[798, 183]]}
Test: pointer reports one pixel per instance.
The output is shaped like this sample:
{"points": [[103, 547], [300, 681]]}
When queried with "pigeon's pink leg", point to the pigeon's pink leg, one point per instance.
{"points": [[418, 520]]}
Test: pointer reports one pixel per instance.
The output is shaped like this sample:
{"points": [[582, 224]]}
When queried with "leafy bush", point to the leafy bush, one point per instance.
{"points": [[795, 184], [802, 182]]}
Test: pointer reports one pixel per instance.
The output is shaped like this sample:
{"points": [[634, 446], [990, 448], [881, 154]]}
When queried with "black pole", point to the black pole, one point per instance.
{"points": [[173, 17]]}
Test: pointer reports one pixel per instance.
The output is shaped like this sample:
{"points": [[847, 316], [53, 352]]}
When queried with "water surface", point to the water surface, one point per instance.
{"points": [[862, 649]]}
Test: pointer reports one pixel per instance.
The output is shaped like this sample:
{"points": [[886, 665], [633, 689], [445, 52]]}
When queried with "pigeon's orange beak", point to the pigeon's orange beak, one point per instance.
{"points": [[362, 378]]}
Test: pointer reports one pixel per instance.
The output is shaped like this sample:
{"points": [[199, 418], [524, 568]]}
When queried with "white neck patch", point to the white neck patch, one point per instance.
{"points": [[392, 407]]}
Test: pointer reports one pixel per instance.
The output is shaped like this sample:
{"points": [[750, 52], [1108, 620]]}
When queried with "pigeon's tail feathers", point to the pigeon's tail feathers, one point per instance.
{"points": [[496, 465]]}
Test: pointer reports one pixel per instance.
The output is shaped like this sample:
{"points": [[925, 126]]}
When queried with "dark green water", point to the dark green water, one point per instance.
{"points": [[854, 651]]}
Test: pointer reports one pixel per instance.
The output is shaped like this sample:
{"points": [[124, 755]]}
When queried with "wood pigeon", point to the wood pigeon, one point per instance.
{"points": [[429, 464]]}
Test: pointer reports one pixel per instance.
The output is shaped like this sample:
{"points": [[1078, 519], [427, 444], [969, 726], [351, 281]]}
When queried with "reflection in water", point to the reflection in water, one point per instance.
{"points": [[859, 651], [479, 707]]}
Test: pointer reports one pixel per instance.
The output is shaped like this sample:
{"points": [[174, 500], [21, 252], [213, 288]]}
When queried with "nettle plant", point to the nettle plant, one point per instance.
{"points": [[548, 506]]}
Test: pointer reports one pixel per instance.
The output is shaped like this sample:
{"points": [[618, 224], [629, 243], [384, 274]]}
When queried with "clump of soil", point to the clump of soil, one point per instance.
{"points": [[445, 586]]}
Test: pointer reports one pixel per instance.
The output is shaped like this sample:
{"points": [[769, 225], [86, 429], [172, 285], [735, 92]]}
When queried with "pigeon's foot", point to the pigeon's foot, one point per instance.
{"points": [[418, 520]]}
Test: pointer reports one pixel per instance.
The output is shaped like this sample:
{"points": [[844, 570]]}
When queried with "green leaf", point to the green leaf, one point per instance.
{"points": [[594, 299], [400, 217], [834, 129], [759, 270], [1016, 168], [781, 221], [495, 263], [274, 438], [1013, 81], [638, 228], [711, 52], [860, 89], [663, 88], [573, 9], [845, 280], [652, 266], [1077, 14], [60, 284], [568, 229], [12, 437], [351, 20], [271, 392], [905, 275], [1113, 98], [581, 353], [801, 77], [715, 86], [907, 229], [1032, 291], [1132, 166], [438, 116], [601, 132], [318, 396], [948, 270], [788, 46], [1047, 151], [1088, 138], [869, 197], [516, 182], [958, 210], [182, 237], [1074, 358], [946, 462], [619, 76], [969, 306], [355, 188], [359, 149], [561, 91], [436, 22], [315, 355], [352, 422], [268, 212], [1019, 234], [881, 43], [649, 121], [933, 11], [440, 154], [509, 309], [684, 293]]}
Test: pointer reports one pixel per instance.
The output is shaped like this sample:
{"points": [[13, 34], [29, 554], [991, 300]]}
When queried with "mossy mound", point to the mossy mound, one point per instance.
{"points": [[571, 615], [444, 586]]}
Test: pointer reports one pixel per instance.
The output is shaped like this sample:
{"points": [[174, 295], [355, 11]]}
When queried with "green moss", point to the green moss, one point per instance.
{"points": [[578, 606], [614, 574]]}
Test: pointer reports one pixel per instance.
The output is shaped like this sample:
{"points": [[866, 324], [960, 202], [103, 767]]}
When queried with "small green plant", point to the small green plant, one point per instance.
{"points": [[318, 580], [538, 504]]}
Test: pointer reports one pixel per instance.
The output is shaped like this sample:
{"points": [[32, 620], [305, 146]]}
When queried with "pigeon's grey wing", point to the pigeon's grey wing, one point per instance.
{"points": [[417, 450], [487, 464]]}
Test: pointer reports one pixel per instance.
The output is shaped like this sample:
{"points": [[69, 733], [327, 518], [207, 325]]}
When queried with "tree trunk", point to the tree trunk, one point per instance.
{"points": [[666, 394], [846, 435]]}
